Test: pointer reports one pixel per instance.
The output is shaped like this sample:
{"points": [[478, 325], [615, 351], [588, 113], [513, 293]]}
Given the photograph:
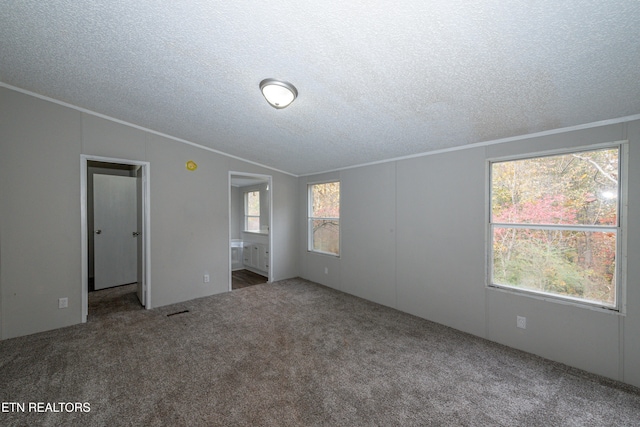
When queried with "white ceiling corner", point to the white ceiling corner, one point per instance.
{"points": [[376, 79]]}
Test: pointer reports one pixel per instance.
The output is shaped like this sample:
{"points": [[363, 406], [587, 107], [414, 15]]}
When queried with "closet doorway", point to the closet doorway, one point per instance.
{"points": [[250, 229], [115, 229]]}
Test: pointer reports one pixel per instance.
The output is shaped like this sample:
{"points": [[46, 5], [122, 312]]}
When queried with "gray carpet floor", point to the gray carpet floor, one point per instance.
{"points": [[291, 353]]}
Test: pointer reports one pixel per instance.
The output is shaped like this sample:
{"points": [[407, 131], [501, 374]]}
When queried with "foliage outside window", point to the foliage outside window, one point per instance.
{"points": [[555, 225], [252, 211], [324, 218]]}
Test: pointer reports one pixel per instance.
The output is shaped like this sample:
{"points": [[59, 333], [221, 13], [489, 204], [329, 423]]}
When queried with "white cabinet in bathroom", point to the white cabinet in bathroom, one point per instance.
{"points": [[247, 254], [256, 256], [263, 257]]}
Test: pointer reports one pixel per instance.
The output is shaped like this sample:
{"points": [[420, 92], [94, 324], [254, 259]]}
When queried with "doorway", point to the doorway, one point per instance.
{"points": [[250, 230], [115, 239]]}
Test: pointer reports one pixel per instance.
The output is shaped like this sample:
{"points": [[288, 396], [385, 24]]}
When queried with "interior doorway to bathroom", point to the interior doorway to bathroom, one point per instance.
{"points": [[250, 231]]}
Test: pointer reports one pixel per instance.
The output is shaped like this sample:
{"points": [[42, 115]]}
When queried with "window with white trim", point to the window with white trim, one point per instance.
{"points": [[324, 218], [252, 211], [555, 225]]}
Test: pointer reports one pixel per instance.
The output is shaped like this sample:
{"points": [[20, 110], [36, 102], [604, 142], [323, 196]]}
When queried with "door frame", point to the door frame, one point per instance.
{"points": [[269, 180], [146, 227]]}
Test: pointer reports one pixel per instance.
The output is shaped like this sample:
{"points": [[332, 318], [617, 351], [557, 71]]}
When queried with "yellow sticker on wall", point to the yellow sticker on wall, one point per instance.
{"points": [[191, 165]]}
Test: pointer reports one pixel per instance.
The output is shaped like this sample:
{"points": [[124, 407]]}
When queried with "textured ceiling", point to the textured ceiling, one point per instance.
{"points": [[377, 79]]}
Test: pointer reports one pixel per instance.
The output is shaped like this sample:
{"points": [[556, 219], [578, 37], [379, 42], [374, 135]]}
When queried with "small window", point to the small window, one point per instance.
{"points": [[252, 211], [555, 225], [324, 218]]}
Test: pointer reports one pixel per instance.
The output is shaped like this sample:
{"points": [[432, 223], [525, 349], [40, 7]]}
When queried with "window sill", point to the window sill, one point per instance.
{"points": [[556, 300], [259, 233], [323, 253]]}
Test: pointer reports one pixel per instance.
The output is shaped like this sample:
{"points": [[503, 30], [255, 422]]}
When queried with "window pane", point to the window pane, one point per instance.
{"points": [[326, 200], [578, 264], [253, 223], [326, 236], [577, 188], [253, 203]]}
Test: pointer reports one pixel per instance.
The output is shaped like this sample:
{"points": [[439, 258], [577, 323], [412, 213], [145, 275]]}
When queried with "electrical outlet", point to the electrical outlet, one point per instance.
{"points": [[63, 302], [206, 278], [521, 322], [326, 270]]}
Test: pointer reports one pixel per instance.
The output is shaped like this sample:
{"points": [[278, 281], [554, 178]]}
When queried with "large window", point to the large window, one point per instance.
{"points": [[252, 211], [555, 225], [324, 218]]}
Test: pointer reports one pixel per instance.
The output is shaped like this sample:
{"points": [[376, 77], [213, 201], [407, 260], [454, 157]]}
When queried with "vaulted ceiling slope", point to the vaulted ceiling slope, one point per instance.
{"points": [[377, 79]]}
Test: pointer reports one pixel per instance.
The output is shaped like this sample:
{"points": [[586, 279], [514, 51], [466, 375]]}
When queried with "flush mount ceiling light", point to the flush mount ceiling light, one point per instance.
{"points": [[278, 93]]}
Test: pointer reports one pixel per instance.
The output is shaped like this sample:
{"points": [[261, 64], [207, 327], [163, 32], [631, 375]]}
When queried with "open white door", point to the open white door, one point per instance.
{"points": [[116, 230]]}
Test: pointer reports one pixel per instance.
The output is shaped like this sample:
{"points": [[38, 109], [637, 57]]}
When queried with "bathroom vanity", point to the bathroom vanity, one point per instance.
{"points": [[251, 253]]}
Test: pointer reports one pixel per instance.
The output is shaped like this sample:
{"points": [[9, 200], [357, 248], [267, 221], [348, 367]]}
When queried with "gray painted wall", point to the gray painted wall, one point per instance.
{"points": [[40, 253], [414, 238], [40, 145], [237, 213]]}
